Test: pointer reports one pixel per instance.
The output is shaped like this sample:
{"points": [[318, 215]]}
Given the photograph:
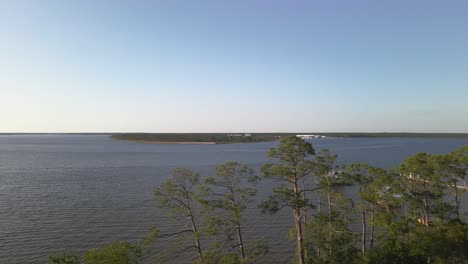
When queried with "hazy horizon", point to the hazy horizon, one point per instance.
{"points": [[247, 66], [224, 132]]}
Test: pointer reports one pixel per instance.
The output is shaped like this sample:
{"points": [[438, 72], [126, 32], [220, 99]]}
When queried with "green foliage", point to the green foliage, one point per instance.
{"points": [[148, 240], [217, 255], [115, 253], [219, 138], [378, 194], [284, 197], [291, 166], [328, 177], [328, 238], [325, 165], [393, 251], [462, 152], [228, 190], [219, 258], [442, 244], [331, 236], [179, 194], [415, 236], [424, 188], [225, 197], [259, 247], [64, 259]]}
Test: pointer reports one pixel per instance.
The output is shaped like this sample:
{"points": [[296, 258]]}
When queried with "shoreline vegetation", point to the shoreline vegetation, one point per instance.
{"points": [[173, 142], [195, 138], [228, 138]]}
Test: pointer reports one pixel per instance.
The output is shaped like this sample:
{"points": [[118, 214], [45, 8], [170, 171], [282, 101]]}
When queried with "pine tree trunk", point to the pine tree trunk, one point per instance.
{"points": [[195, 232], [304, 214], [319, 211], [298, 223], [304, 211], [330, 236], [241, 242], [406, 221], [441, 211], [426, 210], [457, 203], [238, 225], [364, 229], [372, 228]]}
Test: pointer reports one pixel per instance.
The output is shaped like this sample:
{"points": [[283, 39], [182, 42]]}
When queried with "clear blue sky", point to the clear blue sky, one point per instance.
{"points": [[216, 66]]}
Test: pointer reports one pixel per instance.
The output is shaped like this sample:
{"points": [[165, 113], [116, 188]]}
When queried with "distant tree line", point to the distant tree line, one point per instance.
{"points": [[411, 214], [225, 138], [218, 138]]}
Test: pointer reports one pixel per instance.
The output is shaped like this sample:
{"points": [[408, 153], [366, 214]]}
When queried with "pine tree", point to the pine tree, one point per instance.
{"points": [[291, 165], [227, 194], [179, 195]]}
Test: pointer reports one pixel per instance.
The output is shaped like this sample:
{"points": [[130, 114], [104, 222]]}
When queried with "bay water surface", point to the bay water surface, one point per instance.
{"points": [[70, 193]]}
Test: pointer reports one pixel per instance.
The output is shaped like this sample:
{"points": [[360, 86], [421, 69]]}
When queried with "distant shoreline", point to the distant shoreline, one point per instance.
{"points": [[210, 137], [172, 142], [194, 138]]}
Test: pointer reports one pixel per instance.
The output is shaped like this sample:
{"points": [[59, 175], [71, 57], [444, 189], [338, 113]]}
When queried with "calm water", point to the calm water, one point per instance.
{"points": [[71, 193]]}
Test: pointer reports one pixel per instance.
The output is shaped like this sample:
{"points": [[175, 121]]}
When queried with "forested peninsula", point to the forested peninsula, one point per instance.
{"points": [[195, 138], [226, 138]]}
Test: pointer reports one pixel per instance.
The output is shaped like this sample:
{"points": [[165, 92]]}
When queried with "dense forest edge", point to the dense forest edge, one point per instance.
{"points": [[409, 214], [216, 138], [224, 138]]}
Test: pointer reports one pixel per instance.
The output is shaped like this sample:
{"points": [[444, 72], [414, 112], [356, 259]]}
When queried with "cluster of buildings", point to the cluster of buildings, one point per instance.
{"points": [[240, 135], [310, 136]]}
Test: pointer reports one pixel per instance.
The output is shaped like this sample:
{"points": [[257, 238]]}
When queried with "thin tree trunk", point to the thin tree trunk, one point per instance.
{"points": [[298, 224], [407, 220], [241, 242], [426, 210], [304, 197], [422, 216], [195, 232], [238, 225], [319, 211], [441, 211], [330, 236], [319, 208], [457, 203], [372, 228], [364, 229], [304, 214], [197, 241]]}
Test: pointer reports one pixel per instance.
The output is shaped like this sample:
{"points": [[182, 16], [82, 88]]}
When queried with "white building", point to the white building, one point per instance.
{"points": [[309, 136]]}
